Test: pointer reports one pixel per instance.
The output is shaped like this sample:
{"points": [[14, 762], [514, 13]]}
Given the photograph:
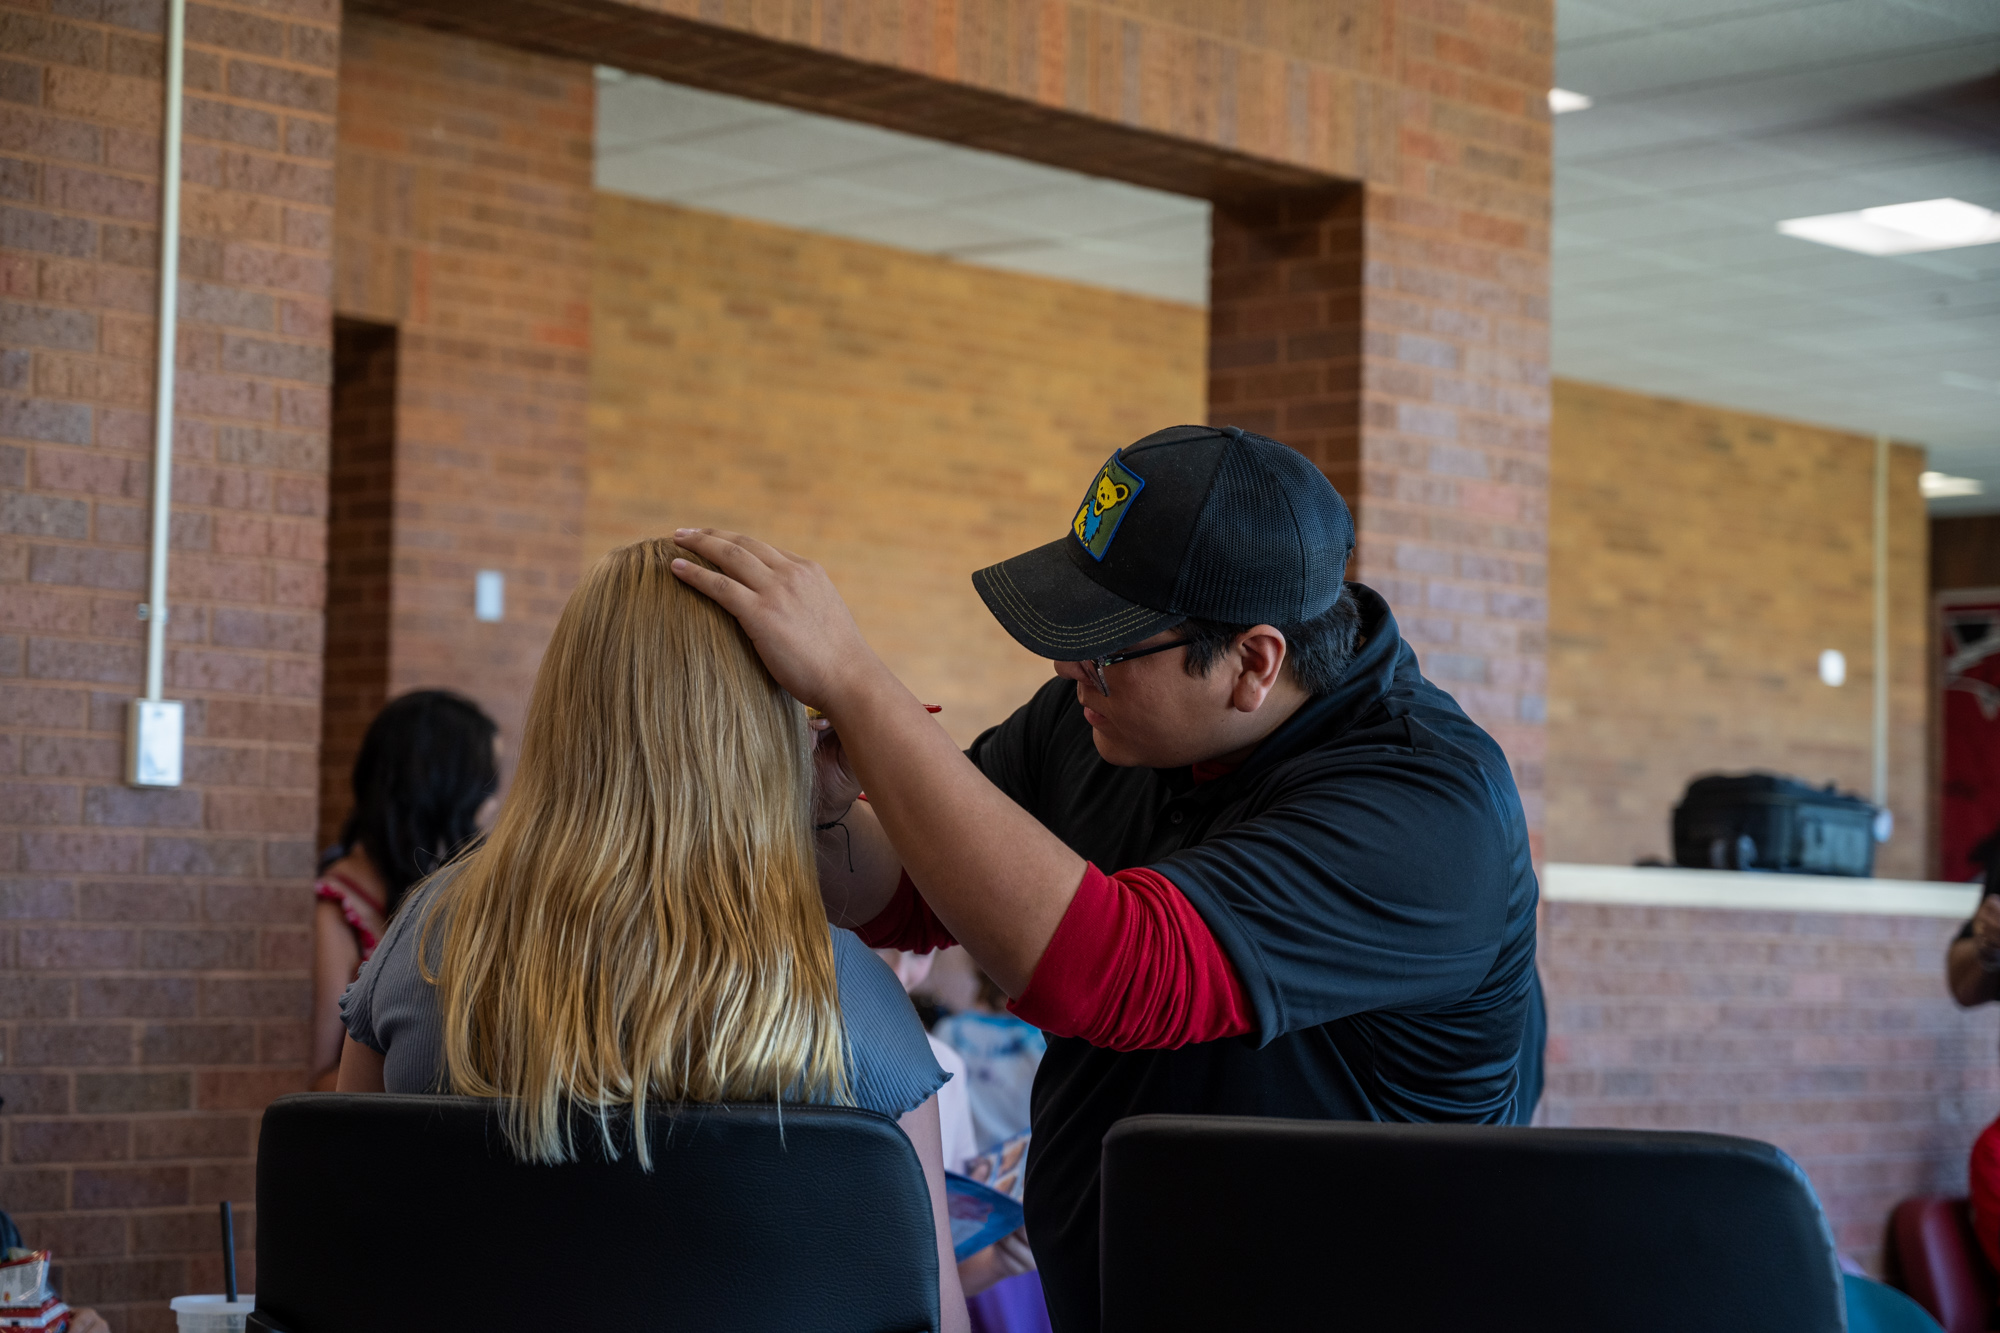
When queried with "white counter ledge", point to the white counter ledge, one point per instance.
{"points": [[1671, 886]]}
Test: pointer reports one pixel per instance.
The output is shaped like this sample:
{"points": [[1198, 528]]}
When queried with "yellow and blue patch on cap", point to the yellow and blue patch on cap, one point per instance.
{"points": [[1105, 505]]}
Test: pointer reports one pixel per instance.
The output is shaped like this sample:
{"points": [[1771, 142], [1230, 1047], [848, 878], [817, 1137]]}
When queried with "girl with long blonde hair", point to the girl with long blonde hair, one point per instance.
{"points": [[644, 927]]}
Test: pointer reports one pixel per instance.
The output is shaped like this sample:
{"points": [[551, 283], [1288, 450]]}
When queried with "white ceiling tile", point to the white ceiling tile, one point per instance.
{"points": [[1705, 165], [1580, 187], [672, 173], [1075, 209], [1181, 239], [634, 110], [1961, 176], [1640, 221], [1582, 21], [808, 144], [1696, 13], [1634, 62], [1856, 145], [1877, 337]]}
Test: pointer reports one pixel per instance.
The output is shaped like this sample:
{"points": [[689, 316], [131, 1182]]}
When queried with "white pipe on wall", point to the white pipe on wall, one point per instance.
{"points": [[154, 734], [1880, 736]]}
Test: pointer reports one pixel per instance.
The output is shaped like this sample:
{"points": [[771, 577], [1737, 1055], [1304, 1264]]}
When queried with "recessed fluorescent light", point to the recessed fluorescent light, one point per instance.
{"points": [[1941, 486], [1562, 99], [1901, 229]]}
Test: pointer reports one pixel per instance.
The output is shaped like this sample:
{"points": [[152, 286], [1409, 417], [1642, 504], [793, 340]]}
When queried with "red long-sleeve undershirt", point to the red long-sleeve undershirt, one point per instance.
{"points": [[1132, 965]]}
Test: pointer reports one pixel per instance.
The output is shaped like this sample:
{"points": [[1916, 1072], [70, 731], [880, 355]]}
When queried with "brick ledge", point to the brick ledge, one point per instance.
{"points": [[1662, 886]]}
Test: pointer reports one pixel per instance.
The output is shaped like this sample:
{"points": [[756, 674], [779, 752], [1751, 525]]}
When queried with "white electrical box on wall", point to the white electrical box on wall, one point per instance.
{"points": [[153, 743], [489, 595]]}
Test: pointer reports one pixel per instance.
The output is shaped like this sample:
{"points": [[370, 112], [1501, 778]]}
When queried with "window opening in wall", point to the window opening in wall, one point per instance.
{"points": [[744, 158], [360, 496]]}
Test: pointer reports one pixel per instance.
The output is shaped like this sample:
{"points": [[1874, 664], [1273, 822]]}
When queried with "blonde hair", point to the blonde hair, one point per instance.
{"points": [[644, 925]]}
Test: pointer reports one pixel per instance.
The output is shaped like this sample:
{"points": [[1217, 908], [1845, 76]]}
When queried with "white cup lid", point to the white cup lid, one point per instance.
{"points": [[216, 1304]]}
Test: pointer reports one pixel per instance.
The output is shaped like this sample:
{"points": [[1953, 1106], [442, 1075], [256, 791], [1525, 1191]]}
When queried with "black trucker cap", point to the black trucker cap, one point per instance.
{"points": [[1202, 521]]}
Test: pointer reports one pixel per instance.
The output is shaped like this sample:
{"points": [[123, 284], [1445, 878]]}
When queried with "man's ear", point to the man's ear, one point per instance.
{"points": [[1259, 657]]}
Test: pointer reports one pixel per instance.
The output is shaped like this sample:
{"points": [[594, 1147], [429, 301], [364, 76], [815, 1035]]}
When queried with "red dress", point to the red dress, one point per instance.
{"points": [[366, 915], [1985, 1175]]}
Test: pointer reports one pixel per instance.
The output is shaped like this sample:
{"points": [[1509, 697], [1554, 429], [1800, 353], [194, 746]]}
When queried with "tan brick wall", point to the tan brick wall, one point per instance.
{"points": [[153, 943], [1700, 560], [1828, 1035], [902, 419], [464, 222]]}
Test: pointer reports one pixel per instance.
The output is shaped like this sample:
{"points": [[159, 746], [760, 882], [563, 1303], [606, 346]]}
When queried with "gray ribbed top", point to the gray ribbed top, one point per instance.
{"points": [[391, 1009]]}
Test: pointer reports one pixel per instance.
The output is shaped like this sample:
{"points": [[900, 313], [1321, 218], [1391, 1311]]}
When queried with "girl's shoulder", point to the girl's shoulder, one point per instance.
{"points": [[890, 1064], [352, 885]]}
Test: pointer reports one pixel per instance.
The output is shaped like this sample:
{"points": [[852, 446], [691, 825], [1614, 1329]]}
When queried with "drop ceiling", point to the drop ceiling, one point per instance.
{"points": [[705, 150], [1713, 121]]}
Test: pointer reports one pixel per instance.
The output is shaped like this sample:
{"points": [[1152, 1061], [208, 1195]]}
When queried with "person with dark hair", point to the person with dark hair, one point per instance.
{"points": [[424, 786], [1239, 857], [1972, 974]]}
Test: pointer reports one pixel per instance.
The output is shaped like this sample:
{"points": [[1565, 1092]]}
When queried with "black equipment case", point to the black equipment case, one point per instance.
{"points": [[1760, 821]]}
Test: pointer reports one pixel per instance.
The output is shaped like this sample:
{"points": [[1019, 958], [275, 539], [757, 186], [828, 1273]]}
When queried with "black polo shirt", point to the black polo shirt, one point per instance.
{"points": [[1366, 871]]}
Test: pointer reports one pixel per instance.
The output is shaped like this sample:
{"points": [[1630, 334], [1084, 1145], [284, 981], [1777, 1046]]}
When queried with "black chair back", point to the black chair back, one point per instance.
{"points": [[1214, 1222], [399, 1214]]}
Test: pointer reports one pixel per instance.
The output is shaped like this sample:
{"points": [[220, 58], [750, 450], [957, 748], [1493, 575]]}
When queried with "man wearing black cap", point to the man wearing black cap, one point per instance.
{"points": [[1239, 858]]}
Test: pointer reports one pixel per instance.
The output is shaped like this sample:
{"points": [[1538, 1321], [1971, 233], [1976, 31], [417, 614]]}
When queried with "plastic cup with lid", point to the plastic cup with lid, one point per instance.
{"points": [[212, 1314]]}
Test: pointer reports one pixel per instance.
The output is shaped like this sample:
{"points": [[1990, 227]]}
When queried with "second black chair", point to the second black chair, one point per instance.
{"points": [[408, 1215], [1214, 1222]]}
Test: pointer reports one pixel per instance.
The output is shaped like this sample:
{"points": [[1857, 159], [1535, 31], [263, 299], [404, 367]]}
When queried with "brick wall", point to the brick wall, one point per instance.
{"points": [[1700, 561], [1965, 552], [903, 419], [1828, 1035], [1285, 307], [464, 222], [1436, 108], [361, 497], [1455, 409], [153, 942]]}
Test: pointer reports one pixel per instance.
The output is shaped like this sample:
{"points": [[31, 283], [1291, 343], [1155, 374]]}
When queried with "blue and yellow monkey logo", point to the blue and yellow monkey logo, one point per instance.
{"points": [[1105, 505]]}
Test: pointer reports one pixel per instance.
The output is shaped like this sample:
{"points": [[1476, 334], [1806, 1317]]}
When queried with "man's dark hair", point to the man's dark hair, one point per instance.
{"points": [[1318, 651], [425, 768]]}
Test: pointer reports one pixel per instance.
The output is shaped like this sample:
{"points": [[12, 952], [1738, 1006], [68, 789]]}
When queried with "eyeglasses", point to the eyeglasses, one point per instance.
{"points": [[1097, 664]]}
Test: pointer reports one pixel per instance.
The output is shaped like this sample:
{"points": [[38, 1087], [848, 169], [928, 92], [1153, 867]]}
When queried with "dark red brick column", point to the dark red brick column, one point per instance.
{"points": [[1285, 307], [1373, 335], [361, 492], [153, 943]]}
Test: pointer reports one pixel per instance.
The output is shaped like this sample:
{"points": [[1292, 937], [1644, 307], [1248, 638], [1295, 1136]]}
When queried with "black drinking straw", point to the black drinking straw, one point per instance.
{"points": [[228, 1252]]}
